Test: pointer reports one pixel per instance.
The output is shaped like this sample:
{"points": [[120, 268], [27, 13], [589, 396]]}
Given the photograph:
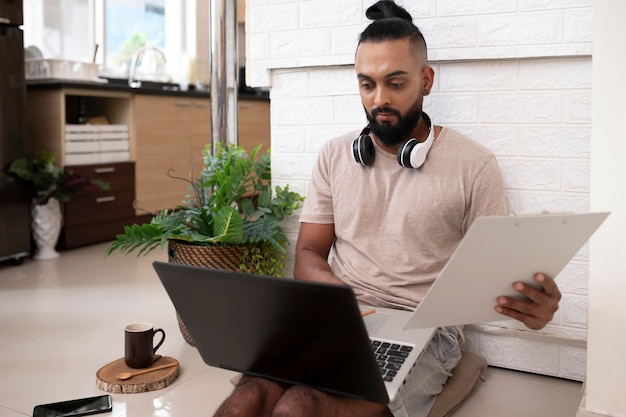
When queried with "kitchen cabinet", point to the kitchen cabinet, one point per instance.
{"points": [[254, 124], [241, 11], [103, 214], [15, 206], [49, 115], [49, 111], [167, 134], [170, 133]]}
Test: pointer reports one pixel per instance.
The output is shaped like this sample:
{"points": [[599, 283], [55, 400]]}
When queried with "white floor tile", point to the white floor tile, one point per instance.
{"points": [[5, 412]]}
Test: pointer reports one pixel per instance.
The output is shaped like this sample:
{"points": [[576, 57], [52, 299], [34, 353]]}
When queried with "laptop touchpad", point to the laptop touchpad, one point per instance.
{"points": [[374, 322]]}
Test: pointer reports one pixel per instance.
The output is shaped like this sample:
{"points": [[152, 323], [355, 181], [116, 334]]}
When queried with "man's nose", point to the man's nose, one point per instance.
{"points": [[381, 98]]}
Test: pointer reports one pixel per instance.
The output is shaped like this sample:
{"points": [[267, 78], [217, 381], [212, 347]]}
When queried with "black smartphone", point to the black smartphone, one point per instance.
{"points": [[79, 407]]}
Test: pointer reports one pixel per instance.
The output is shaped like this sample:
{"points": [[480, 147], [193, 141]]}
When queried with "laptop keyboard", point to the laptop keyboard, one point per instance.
{"points": [[390, 357]]}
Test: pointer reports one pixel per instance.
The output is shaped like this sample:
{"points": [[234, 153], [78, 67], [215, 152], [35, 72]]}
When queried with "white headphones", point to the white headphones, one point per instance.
{"points": [[411, 154]]}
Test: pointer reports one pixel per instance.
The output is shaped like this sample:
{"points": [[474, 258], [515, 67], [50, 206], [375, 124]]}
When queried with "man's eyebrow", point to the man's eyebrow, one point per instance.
{"points": [[361, 76]]}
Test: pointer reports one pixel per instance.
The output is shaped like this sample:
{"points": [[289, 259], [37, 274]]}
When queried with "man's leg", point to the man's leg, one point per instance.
{"points": [[299, 401], [251, 397], [261, 397], [431, 372]]}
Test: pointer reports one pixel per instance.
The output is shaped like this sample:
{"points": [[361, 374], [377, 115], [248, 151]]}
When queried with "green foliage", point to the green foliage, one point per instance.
{"points": [[47, 180], [232, 202], [263, 258]]}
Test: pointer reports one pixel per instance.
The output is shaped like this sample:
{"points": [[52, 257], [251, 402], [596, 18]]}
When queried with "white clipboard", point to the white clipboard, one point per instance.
{"points": [[495, 252]]}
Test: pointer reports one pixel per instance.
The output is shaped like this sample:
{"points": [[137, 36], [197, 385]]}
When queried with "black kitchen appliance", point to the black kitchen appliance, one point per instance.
{"points": [[14, 199]]}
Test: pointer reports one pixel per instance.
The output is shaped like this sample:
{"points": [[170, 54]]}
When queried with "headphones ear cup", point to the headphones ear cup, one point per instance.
{"points": [[363, 150], [404, 152], [412, 154]]}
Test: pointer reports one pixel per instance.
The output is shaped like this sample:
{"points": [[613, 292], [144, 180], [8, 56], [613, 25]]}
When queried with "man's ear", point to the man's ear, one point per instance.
{"points": [[428, 79]]}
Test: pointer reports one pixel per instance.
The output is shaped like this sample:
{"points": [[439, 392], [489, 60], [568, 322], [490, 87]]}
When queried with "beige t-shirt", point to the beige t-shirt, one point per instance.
{"points": [[396, 227]]}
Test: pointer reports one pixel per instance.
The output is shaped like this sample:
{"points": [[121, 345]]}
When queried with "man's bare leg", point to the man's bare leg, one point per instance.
{"points": [[251, 397], [300, 401]]}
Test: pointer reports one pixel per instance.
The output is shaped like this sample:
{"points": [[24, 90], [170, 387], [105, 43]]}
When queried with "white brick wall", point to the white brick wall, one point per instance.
{"points": [[514, 74]]}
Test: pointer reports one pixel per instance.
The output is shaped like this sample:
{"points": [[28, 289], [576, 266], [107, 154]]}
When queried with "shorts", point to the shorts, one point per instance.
{"points": [[430, 373]]}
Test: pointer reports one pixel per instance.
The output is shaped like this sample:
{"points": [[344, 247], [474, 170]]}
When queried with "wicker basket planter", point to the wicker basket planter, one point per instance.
{"points": [[227, 257]]}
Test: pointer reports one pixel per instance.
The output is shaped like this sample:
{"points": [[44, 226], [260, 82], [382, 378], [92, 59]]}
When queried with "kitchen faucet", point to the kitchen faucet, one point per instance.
{"points": [[137, 60]]}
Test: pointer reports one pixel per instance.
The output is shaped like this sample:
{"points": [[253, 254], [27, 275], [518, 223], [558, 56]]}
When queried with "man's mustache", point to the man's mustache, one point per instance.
{"points": [[387, 110]]}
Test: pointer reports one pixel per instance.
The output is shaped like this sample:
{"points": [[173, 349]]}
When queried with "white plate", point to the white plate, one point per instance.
{"points": [[32, 52]]}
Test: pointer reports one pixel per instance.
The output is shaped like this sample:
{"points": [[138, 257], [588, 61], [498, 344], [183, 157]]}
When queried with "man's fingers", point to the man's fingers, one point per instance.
{"points": [[531, 322], [539, 307], [549, 285]]}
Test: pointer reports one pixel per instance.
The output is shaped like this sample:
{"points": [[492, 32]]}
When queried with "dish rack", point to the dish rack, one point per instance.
{"points": [[41, 69]]}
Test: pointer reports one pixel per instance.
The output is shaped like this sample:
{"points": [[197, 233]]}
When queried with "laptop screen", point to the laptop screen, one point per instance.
{"points": [[278, 328]]}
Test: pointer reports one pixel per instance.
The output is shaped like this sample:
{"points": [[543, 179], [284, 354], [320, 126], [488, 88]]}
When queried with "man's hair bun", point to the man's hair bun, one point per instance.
{"points": [[392, 22], [387, 9]]}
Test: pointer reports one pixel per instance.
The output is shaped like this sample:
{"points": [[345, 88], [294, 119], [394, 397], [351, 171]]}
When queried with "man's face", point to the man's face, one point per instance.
{"points": [[391, 84]]}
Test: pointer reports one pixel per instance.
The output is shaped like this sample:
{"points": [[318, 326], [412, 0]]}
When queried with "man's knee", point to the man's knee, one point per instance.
{"points": [[298, 401], [232, 409], [252, 396]]}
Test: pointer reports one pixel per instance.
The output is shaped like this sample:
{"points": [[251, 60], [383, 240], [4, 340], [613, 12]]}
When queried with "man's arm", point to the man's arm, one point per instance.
{"points": [[314, 244], [536, 312]]}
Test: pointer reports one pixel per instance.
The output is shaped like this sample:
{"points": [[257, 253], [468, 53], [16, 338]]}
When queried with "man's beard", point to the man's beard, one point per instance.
{"points": [[395, 134]]}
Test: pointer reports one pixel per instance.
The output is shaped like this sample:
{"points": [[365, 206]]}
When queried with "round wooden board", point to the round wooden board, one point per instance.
{"points": [[151, 381]]}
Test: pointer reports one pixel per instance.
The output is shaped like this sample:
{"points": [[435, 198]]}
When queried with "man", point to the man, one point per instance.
{"points": [[390, 229]]}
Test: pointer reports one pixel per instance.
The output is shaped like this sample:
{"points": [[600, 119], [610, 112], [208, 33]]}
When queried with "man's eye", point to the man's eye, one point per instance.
{"points": [[366, 86], [396, 86]]}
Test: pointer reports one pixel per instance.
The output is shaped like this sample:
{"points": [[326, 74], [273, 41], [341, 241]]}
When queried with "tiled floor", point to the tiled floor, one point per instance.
{"points": [[61, 320]]}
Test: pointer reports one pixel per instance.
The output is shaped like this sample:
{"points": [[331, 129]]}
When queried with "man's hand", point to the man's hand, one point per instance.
{"points": [[536, 312]]}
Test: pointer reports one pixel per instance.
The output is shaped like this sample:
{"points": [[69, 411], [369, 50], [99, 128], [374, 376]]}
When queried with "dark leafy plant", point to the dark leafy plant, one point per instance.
{"points": [[47, 180], [231, 202]]}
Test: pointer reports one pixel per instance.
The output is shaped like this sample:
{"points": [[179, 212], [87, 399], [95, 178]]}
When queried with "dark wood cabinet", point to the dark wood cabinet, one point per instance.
{"points": [[14, 200], [100, 216]]}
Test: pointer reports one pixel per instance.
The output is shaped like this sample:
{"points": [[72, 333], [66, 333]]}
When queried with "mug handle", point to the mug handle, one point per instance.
{"points": [[154, 332]]}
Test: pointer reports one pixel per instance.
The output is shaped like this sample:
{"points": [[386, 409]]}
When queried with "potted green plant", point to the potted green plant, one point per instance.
{"points": [[50, 186], [231, 203], [230, 220], [49, 181]]}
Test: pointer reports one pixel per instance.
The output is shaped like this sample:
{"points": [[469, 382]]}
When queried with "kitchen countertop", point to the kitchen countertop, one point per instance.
{"points": [[151, 89]]}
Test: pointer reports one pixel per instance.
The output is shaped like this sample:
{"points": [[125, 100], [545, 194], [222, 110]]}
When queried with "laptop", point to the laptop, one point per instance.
{"points": [[314, 334], [290, 331]]}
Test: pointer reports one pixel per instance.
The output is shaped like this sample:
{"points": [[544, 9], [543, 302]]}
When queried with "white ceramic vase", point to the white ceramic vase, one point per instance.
{"points": [[46, 225]]}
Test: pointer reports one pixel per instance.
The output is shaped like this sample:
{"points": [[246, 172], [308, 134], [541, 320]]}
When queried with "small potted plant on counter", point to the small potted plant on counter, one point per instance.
{"points": [[231, 220], [50, 186]]}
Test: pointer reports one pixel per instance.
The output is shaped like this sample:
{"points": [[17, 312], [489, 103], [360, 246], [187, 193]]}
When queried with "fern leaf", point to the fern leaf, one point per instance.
{"points": [[145, 237]]}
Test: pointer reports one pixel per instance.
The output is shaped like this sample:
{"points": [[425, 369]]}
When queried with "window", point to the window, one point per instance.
{"points": [[71, 29], [60, 29], [129, 25], [122, 26]]}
